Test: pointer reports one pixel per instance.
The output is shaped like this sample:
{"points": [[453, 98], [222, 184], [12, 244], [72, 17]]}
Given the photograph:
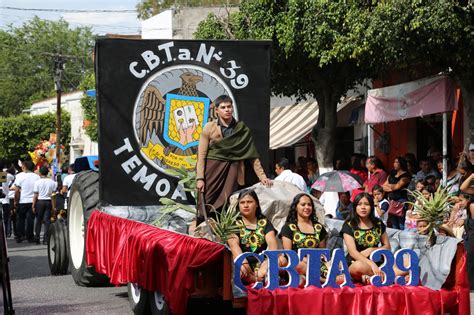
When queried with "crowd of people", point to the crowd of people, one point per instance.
{"points": [[395, 203], [383, 200], [31, 198]]}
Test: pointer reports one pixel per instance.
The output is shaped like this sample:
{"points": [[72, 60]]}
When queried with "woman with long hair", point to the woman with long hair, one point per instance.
{"points": [[395, 187], [363, 233], [302, 230], [256, 235]]}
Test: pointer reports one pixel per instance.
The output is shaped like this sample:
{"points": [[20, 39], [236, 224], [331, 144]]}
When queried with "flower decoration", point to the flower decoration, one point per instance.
{"points": [[45, 152]]}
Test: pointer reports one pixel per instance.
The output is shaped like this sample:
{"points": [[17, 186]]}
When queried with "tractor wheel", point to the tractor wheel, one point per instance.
{"points": [[158, 304], [138, 299], [61, 228], [53, 250], [83, 200], [57, 250]]}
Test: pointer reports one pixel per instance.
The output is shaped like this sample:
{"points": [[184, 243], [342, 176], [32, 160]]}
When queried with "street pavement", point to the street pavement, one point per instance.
{"points": [[35, 291]]}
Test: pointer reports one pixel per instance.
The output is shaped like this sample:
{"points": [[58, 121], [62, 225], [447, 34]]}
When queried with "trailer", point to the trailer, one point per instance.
{"points": [[153, 98]]}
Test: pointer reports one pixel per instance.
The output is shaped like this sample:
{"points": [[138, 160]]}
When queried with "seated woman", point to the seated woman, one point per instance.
{"points": [[363, 233], [302, 230], [256, 235]]}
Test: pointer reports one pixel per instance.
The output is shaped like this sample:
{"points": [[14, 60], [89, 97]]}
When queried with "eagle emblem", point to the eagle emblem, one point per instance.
{"points": [[171, 114]]}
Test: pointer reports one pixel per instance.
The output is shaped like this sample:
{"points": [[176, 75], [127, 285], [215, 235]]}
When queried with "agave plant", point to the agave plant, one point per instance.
{"points": [[225, 223], [434, 209], [187, 179]]}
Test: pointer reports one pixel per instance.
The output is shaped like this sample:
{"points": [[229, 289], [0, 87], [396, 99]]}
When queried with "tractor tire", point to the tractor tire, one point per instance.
{"points": [[53, 250], [57, 249], [158, 304], [138, 299], [64, 257], [82, 202]]}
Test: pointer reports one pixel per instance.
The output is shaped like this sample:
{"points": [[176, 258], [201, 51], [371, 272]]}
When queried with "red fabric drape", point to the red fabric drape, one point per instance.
{"points": [[392, 300], [156, 259]]}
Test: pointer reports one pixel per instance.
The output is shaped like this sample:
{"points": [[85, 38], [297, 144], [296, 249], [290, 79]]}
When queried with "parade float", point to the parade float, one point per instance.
{"points": [[154, 97]]}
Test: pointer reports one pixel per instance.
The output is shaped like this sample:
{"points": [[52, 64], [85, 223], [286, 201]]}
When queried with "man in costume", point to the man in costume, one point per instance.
{"points": [[224, 145]]}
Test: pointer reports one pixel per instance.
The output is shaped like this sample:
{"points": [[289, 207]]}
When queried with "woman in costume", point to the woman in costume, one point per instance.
{"points": [[256, 235], [363, 233], [302, 230]]}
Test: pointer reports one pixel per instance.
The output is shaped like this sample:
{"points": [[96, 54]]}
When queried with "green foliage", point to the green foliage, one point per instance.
{"points": [[188, 180], [149, 8], [22, 133], [27, 64], [89, 107], [433, 210], [321, 49], [225, 223]]}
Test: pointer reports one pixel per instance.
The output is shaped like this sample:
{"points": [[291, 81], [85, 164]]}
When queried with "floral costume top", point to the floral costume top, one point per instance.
{"points": [[306, 240], [301, 239], [364, 238], [254, 240]]}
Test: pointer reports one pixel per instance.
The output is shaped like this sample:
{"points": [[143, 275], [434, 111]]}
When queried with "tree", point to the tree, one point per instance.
{"points": [[89, 106], [436, 35], [148, 8], [22, 133], [27, 61], [322, 48], [308, 58]]}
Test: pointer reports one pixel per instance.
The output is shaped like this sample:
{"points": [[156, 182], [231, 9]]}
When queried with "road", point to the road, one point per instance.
{"points": [[35, 291]]}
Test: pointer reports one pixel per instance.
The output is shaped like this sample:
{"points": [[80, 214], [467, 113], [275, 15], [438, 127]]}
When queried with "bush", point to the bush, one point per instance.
{"points": [[22, 133]]}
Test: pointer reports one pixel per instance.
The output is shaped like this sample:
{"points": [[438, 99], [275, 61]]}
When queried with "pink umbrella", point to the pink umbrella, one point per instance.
{"points": [[338, 181]]}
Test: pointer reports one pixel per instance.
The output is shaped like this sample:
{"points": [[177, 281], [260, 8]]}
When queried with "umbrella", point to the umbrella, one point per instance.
{"points": [[339, 181]]}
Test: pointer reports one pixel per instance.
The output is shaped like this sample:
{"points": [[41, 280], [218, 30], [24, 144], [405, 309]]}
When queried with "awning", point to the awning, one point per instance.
{"points": [[413, 99], [288, 124]]}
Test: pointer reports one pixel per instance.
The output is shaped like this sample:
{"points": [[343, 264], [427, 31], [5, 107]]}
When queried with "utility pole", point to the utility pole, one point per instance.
{"points": [[58, 73]]}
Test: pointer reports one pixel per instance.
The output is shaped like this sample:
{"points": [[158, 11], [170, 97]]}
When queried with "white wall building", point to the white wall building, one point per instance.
{"points": [[179, 23], [80, 144]]}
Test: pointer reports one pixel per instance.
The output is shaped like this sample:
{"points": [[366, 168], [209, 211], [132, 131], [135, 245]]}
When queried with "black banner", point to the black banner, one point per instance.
{"points": [[154, 97]]}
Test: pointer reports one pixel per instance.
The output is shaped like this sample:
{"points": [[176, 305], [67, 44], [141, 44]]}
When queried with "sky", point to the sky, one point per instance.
{"points": [[101, 22]]}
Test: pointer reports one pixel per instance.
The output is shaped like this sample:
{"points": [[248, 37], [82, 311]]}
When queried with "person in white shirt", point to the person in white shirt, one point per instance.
{"points": [[42, 206], [23, 186], [7, 202], [67, 183], [282, 169]]}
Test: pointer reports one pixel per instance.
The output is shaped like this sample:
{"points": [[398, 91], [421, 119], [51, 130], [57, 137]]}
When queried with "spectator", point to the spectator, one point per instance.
{"points": [[357, 168], [395, 186], [458, 215], [471, 153], [465, 169], [422, 227], [67, 183], [282, 169], [42, 206], [376, 176], [469, 227], [8, 200], [380, 203], [425, 170], [313, 171], [452, 179], [340, 165], [24, 186], [301, 168], [344, 205]]}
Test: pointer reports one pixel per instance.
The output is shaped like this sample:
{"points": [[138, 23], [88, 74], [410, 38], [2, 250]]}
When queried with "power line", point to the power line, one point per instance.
{"points": [[68, 10]]}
